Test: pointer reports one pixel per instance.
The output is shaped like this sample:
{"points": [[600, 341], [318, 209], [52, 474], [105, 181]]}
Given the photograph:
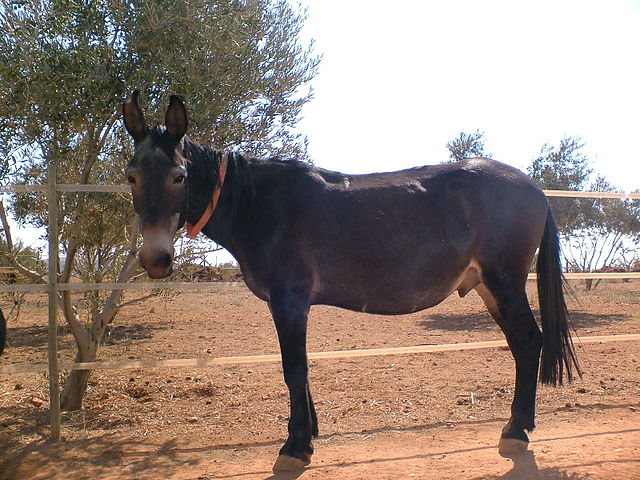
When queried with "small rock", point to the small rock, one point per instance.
{"points": [[582, 390], [192, 419], [17, 387], [633, 409]]}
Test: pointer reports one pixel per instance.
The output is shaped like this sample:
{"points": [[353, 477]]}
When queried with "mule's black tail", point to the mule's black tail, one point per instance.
{"points": [[558, 352], [3, 332]]}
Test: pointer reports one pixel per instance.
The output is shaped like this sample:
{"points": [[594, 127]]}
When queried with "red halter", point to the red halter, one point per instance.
{"points": [[194, 230]]}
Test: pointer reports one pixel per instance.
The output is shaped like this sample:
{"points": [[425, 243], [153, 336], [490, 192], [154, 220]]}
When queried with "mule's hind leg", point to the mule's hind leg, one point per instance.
{"points": [[509, 307]]}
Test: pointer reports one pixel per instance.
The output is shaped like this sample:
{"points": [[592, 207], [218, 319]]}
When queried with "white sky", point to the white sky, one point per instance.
{"points": [[400, 79]]}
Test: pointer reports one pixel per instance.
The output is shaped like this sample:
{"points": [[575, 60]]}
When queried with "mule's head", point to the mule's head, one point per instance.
{"points": [[158, 178]]}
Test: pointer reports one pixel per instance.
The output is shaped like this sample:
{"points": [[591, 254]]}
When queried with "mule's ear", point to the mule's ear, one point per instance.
{"points": [[176, 118], [134, 118]]}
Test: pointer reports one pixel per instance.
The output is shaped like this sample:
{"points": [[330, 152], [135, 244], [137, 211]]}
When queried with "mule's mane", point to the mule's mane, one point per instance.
{"points": [[203, 165], [202, 160]]}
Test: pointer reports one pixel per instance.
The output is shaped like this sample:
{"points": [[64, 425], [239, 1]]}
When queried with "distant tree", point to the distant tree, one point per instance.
{"points": [[564, 168], [610, 237], [595, 232], [467, 145], [66, 67]]}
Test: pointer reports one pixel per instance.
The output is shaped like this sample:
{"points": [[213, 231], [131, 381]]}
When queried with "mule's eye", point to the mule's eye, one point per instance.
{"points": [[131, 180], [180, 179]]}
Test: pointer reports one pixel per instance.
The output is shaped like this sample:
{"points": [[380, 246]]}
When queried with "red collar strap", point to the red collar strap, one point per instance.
{"points": [[194, 230]]}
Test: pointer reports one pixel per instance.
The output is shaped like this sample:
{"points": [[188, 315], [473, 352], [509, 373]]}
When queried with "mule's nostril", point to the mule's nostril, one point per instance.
{"points": [[166, 262]]}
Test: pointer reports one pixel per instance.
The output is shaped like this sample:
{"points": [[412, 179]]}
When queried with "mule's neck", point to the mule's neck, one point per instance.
{"points": [[203, 167]]}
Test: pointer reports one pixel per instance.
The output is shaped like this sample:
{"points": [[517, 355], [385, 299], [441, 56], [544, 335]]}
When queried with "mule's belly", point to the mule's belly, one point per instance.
{"points": [[382, 308], [389, 292]]}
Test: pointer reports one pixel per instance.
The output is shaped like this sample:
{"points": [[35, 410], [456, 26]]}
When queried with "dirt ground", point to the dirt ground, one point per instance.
{"points": [[433, 416]]}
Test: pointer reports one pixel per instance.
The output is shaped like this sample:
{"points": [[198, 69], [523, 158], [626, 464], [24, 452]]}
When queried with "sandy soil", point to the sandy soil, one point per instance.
{"points": [[435, 416]]}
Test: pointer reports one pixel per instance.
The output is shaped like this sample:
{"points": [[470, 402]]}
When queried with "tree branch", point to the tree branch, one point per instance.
{"points": [[135, 301], [111, 306], [34, 276], [70, 312]]}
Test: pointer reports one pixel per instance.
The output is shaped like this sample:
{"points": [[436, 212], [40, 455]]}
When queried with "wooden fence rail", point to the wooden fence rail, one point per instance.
{"points": [[275, 358], [186, 286]]}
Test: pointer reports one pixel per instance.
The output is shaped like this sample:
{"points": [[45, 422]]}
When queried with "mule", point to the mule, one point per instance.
{"points": [[384, 243]]}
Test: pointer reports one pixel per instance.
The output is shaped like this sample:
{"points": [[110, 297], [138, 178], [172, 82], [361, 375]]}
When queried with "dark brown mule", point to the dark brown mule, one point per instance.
{"points": [[386, 243]]}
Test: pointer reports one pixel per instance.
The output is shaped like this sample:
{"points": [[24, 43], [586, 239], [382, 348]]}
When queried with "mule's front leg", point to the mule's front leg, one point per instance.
{"points": [[289, 310]]}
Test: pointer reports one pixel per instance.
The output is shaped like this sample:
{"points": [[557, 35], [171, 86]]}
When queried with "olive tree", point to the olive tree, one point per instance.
{"points": [[65, 68]]}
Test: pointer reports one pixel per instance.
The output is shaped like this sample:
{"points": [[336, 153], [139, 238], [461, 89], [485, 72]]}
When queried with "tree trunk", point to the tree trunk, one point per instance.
{"points": [[76, 384], [74, 390]]}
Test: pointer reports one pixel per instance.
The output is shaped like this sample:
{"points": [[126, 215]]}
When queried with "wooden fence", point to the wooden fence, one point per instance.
{"points": [[52, 188]]}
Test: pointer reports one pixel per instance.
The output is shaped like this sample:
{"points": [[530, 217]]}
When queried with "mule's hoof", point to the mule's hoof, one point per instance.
{"points": [[284, 463], [510, 446]]}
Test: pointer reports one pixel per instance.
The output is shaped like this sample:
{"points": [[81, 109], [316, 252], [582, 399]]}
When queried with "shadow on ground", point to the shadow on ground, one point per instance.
{"points": [[37, 336], [484, 322], [121, 458], [526, 468]]}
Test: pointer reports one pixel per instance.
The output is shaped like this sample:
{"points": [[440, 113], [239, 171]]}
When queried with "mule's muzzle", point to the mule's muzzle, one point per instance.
{"points": [[157, 264], [156, 253]]}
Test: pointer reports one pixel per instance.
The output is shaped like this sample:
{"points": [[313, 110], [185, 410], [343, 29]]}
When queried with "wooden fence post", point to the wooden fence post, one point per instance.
{"points": [[54, 383]]}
